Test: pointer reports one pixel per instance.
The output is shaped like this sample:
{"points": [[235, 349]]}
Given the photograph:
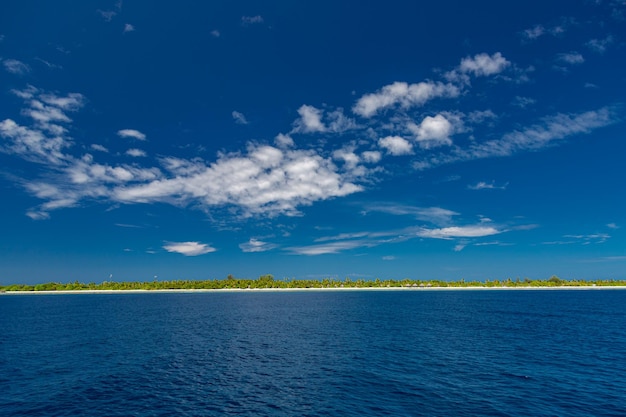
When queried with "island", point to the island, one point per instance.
{"points": [[269, 282]]}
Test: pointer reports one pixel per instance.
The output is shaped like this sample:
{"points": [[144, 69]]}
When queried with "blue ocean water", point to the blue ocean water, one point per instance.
{"points": [[356, 353]]}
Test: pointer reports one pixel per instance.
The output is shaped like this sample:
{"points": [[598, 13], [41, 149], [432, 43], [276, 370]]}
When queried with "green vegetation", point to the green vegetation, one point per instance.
{"points": [[268, 281]]}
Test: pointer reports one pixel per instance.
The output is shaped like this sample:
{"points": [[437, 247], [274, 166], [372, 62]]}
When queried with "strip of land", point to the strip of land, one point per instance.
{"points": [[268, 283], [337, 289]]}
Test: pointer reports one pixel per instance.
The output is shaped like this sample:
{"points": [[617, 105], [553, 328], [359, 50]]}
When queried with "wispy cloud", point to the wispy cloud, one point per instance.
{"points": [[555, 29], [15, 67], [136, 153], [98, 148], [571, 58], [255, 245], [45, 141], [188, 248], [600, 45], [129, 28], [523, 102], [239, 118], [249, 20], [131, 133], [107, 15], [403, 94], [482, 185], [351, 241], [459, 232], [265, 181], [435, 215], [331, 247], [535, 137], [484, 64]]}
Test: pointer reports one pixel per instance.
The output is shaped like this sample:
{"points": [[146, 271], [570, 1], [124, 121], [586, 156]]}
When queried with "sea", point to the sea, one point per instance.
{"points": [[315, 353]]}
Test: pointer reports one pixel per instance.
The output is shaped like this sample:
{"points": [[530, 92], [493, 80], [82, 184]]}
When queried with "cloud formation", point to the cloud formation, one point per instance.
{"points": [[188, 248], [239, 118], [433, 131], [484, 64], [255, 245], [541, 135], [15, 67], [131, 133], [395, 145], [249, 20], [403, 94]]}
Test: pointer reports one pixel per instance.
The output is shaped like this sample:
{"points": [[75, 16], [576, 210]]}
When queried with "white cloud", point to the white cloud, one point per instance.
{"points": [[371, 156], [433, 131], [239, 118], [482, 185], [523, 102], [107, 15], [403, 94], [534, 137], [395, 145], [216, 33], [388, 258], [339, 122], [534, 32], [612, 226], [188, 248], [458, 232], [330, 248], [135, 153], [283, 141], [347, 155], [32, 144], [248, 20], [16, 67], [435, 215], [484, 64], [129, 28], [98, 148], [131, 133], [571, 58], [255, 245], [599, 45], [267, 181], [310, 120]]}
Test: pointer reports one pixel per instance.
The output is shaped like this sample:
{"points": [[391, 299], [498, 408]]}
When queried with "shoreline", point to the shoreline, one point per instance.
{"points": [[253, 290]]}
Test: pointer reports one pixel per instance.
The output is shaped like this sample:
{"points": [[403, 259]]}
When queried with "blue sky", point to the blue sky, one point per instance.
{"points": [[396, 139]]}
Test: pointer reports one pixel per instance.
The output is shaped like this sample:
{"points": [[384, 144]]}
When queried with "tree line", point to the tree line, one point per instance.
{"points": [[268, 282]]}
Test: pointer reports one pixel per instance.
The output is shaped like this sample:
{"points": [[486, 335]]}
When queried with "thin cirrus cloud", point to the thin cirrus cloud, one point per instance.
{"points": [[239, 118], [544, 134], [131, 133], [482, 185], [250, 20], [188, 248], [571, 58], [351, 241], [15, 67], [255, 245]]}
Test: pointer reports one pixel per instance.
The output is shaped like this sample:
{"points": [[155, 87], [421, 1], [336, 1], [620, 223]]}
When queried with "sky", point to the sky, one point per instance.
{"points": [[362, 139]]}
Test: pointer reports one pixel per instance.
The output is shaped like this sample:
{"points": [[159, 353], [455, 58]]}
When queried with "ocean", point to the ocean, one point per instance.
{"points": [[315, 353]]}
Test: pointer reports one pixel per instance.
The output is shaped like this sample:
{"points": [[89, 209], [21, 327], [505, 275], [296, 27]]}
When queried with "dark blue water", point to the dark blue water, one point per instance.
{"points": [[414, 353]]}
